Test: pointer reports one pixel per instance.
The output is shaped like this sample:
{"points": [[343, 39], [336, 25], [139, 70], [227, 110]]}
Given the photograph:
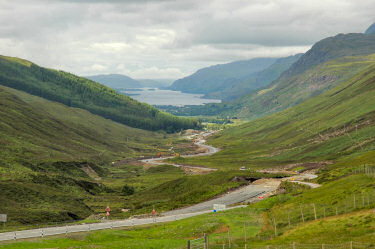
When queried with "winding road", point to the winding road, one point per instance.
{"points": [[243, 194]]}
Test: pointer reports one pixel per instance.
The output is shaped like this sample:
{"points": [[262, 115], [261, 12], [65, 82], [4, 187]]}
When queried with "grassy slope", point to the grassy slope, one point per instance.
{"points": [[331, 126], [293, 89], [296, 85], [44, 146], [79, 92]]}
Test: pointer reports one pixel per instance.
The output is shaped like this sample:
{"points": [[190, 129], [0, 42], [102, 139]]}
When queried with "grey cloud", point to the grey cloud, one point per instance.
{"points": [[162, 37]]}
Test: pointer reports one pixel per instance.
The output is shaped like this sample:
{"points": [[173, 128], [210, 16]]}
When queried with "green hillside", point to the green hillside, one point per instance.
{"points": [[75, 91], [54, 159], [290, 91], [309, 76], [334, 125]]}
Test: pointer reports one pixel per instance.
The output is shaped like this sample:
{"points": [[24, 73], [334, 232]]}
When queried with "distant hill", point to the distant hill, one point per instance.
{"points": [[115, 81], [75, 91], [218, 77], [370, 30], [297, 84], [157, 83], [254, 81]]}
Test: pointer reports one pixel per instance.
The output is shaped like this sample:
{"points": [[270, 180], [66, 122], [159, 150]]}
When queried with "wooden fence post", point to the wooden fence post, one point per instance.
{"points": [[351, 244], [274, 223], [229, 244], [354, 201], [368, 200], [205, 246], [363, 200], [245, 232], [288, 218], [314, 210], [303, 219], [188, 245]]}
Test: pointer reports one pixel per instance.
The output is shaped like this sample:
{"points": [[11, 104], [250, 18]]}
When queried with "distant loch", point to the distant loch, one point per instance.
{"points": [[155, 96]]}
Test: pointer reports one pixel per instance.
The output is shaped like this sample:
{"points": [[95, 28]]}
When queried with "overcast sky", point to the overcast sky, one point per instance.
{"points": [[169, 39]]}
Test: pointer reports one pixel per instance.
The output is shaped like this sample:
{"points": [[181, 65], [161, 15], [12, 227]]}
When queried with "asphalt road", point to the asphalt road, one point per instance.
{"points": [[35, 233], [236, 196]]}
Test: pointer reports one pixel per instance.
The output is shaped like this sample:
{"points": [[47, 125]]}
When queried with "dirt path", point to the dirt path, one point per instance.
{"points": [[197, 169]]}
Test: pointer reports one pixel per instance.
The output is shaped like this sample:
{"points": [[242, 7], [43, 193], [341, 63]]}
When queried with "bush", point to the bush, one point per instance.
{"points": [[127, 190]]}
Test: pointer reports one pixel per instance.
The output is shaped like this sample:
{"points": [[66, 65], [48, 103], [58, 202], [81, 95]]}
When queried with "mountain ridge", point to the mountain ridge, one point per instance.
{"points": [[217, 77]]}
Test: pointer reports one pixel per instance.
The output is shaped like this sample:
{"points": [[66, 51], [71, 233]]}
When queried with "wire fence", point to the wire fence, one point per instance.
{"points": [[347, 245], [283, 218], [258, 226]]}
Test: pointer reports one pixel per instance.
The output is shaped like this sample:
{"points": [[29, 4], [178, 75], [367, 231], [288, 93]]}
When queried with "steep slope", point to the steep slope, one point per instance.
{"points": [[334, 47], [255, 80], [290, 91], [218, 77], [332, 126], [79, 92], [305, 78], [116, 81]]}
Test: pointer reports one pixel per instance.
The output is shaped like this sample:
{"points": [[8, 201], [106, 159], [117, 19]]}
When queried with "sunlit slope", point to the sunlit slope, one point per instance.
{"points": [[75, 91], [337, 124]]}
